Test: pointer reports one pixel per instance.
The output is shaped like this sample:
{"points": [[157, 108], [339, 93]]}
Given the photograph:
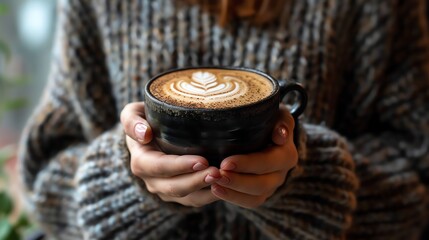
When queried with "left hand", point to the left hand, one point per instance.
{"points": [[249, 180]]}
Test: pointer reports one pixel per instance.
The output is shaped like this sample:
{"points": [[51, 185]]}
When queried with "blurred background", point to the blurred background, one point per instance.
{"points": [[26, 32], [27, 28]]}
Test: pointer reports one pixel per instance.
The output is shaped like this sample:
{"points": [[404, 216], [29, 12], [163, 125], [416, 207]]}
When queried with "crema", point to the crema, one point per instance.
{"points": [[211, 88]]}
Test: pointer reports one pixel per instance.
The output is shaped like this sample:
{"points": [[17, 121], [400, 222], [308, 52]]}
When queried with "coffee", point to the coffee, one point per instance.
{"points": [[216, 112], [211, 88]]}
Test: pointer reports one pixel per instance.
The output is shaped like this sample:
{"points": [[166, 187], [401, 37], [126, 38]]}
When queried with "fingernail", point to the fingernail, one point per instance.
{"points": [[140, 131], [228, 166], [218, 190], [199, 167], [282, 132], [210, 179], [224, 180]]}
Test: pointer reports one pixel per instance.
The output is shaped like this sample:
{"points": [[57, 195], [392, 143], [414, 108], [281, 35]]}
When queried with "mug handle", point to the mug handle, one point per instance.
{"points": [[299, 106]]}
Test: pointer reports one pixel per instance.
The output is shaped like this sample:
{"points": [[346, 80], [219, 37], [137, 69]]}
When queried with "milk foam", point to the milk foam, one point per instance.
{"points": [[211, 88], [206, 86]]}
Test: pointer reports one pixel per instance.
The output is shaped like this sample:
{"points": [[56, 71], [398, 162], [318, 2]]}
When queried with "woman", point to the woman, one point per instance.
{"points": [[362, 166]]}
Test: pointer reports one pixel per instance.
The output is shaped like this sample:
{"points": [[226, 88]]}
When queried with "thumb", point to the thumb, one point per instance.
{"points": [[135, 126], [283, 130], [280, 133]]}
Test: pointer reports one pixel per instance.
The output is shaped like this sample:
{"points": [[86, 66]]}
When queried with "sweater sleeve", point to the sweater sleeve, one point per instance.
{"points": [[318, 198], [73, 158], [372, 184], [392, 154]]}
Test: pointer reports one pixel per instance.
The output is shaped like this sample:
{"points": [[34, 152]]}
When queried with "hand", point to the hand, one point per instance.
{"points": [[249, 180], [180, 179]]}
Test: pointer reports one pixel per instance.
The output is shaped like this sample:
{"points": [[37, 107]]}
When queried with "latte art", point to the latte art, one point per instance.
{"points": [[206, 86], [211, 88]]}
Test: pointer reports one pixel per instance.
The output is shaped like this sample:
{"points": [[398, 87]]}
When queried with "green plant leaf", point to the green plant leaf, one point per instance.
{"points": [[7, 231], [6, 204], [13, 81], [3, 9], [13, 104], [4, 49], [22, 222], [5, 153], [14, 235]]}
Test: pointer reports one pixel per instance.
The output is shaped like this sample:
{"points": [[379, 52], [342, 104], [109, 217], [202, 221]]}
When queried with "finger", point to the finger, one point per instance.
{"points": [[272, 159], [238, 198], [197, 199], [286, 116], [283, 130], [252, 184], [148, 161], [280, 133], [183, 185], [135, 126]]}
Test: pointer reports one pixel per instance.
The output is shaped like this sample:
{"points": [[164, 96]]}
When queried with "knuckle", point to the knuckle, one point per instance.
{"points": [[128, 127], [151, 189], [199, 202], [199, 205], [135, 167], [266, 184], [130, 143], [211, 171], [174, 191], [269, 185], [128, 119], [280, 179], [258, 202], [164, 198], [195, 204], [125, 112], [157, 169]]}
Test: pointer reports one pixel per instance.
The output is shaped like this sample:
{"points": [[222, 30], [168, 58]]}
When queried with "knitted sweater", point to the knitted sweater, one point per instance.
{"points": [[364, 150]]}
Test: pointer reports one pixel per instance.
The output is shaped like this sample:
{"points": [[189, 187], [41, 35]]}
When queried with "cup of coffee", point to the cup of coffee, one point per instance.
{"points": [[216, 112]]}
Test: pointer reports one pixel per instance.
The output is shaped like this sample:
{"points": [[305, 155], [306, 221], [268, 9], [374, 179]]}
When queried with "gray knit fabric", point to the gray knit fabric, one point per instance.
{"points": [[365, 138]]}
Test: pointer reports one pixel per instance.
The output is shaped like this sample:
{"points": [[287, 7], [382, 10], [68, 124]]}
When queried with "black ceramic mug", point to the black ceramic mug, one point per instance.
{"points": [[219, 133]]}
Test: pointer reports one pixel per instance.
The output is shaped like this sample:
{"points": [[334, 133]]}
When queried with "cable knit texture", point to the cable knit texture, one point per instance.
{"points": [[364, 164]]}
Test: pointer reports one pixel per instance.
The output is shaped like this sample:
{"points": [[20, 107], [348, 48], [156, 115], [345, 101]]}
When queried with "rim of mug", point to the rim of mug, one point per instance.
{"points": [[275, 91]]}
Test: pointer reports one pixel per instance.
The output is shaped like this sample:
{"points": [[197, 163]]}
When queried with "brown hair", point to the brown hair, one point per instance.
{"points": [[256, 11]]}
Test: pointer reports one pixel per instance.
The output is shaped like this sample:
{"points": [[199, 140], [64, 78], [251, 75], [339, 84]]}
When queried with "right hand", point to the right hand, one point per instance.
{"points": [[180, 179]]}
